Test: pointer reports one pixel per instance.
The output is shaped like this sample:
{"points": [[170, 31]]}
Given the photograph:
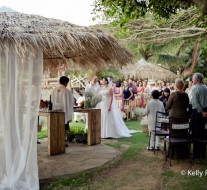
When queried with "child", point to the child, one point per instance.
{"points": [[152, 107]]}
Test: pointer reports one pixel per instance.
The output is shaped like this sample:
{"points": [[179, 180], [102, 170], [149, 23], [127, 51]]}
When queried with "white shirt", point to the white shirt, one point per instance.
{"points": [[64, 98], [96, 87], [151, 109]]}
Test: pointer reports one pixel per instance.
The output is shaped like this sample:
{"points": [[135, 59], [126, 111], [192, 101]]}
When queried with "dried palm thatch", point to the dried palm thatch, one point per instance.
{"points": [[62, 42], [143, 69]]}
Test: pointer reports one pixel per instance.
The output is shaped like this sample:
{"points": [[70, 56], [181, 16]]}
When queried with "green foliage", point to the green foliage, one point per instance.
{"points": [[115, 145], [112, 72], [125, 10], [78, 131]]}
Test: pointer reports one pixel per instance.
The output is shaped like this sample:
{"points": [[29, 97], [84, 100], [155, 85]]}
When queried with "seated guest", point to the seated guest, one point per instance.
{"points": [[152, 107], [178, 101]]}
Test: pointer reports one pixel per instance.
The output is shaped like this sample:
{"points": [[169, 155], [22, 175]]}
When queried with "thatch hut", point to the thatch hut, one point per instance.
{"points": [[26, 41], [62, 42], [145, 70]]}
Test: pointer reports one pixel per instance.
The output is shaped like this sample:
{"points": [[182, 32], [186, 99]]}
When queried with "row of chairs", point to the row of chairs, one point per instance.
{"points": [[178, 133], [128, 107]]}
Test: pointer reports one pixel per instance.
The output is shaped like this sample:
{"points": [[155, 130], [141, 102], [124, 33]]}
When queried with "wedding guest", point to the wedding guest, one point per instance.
{"points": [[140, 90], [118, 90], [164, 98], [163, 85], [189, 92], [64, 98], [152, 107], [134, 88], [127, 91], [178, 101], [146, 93], [199, 105]]}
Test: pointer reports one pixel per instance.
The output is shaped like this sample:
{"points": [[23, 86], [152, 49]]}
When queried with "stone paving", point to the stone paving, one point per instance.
{"points": [[77, 159]]}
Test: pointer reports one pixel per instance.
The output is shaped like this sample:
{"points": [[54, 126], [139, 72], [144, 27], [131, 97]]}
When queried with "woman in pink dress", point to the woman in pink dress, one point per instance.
{"points": [[140, 90], [118, 90]]}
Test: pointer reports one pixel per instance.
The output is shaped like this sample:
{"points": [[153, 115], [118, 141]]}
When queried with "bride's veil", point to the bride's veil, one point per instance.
{"points": [[114, 106]]}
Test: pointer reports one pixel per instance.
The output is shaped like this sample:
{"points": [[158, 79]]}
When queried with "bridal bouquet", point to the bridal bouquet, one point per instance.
{"points": [[92, 98]]}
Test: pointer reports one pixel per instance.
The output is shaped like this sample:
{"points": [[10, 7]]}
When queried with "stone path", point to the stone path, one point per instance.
{"points": [[78, 158]]}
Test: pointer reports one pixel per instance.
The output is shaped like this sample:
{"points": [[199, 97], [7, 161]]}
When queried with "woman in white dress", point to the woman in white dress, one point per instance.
{"points": [[112, 124]]}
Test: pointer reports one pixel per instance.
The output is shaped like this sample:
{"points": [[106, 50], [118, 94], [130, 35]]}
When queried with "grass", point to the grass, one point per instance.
{"points": [[169, 179]]}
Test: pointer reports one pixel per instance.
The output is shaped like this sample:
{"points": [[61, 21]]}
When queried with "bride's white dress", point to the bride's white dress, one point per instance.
{"points": [[112, 124]]}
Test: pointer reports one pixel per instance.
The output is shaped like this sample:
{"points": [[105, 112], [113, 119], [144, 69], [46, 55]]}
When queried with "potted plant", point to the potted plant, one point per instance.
{"points": [[144, 124], [80, 134], [41, 122], [139, 113], [71, 136]]}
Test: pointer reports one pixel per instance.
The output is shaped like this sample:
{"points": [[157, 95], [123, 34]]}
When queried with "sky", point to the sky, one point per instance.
{"points": [[74, 11]]}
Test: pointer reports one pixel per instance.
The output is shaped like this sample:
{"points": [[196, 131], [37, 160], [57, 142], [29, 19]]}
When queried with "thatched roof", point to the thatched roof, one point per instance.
{"points": [[143, 69], [62, 41]]}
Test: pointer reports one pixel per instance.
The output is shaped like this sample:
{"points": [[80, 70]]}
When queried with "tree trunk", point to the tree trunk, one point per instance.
{"points": [[190, 70]]}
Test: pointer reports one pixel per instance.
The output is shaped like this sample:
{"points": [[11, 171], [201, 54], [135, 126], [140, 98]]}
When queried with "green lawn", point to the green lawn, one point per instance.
{"points": [[137, 156]]}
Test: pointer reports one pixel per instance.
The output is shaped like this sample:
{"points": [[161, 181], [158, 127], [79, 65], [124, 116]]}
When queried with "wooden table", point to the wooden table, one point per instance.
{"points": [[55, 132], [94, 125]]}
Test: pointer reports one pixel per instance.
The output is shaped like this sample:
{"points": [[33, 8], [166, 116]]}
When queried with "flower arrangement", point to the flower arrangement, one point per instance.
{"points": [[44, 104], [139, 111], [92, 98], [144, 121]]}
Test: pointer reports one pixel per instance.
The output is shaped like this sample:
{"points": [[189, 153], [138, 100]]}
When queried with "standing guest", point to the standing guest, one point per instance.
{"points": [[146, 93], [199, 105], [134, 88], [63, 96], [140, 90], [164, 98], [152, 85], [167, 85], [190, 85], [189, 92], [157, 85], [178, 101], [118, 90], [127, 91], [152, 107], [160, 90], [163, 85]]}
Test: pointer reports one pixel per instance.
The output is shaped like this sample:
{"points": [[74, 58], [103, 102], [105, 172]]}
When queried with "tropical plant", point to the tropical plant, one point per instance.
{"points": [[78, 131]]}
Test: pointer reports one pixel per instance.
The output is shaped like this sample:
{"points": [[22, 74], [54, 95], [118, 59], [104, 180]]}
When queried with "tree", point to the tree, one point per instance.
{"points": [[123, 10]]}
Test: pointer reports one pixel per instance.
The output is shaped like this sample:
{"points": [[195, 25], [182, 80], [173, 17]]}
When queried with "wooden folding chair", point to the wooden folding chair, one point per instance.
{"points": [[128, 106]]}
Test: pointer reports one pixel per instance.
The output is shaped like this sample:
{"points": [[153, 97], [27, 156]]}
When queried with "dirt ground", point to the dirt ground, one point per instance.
{"points": [[145, 173]]}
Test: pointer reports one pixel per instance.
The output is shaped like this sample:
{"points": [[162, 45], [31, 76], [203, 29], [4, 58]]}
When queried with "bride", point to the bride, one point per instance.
{"points": [[112, 124]]}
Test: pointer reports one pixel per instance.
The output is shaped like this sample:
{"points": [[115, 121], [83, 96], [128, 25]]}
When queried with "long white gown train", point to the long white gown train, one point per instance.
{"points": [[112, 124]]}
